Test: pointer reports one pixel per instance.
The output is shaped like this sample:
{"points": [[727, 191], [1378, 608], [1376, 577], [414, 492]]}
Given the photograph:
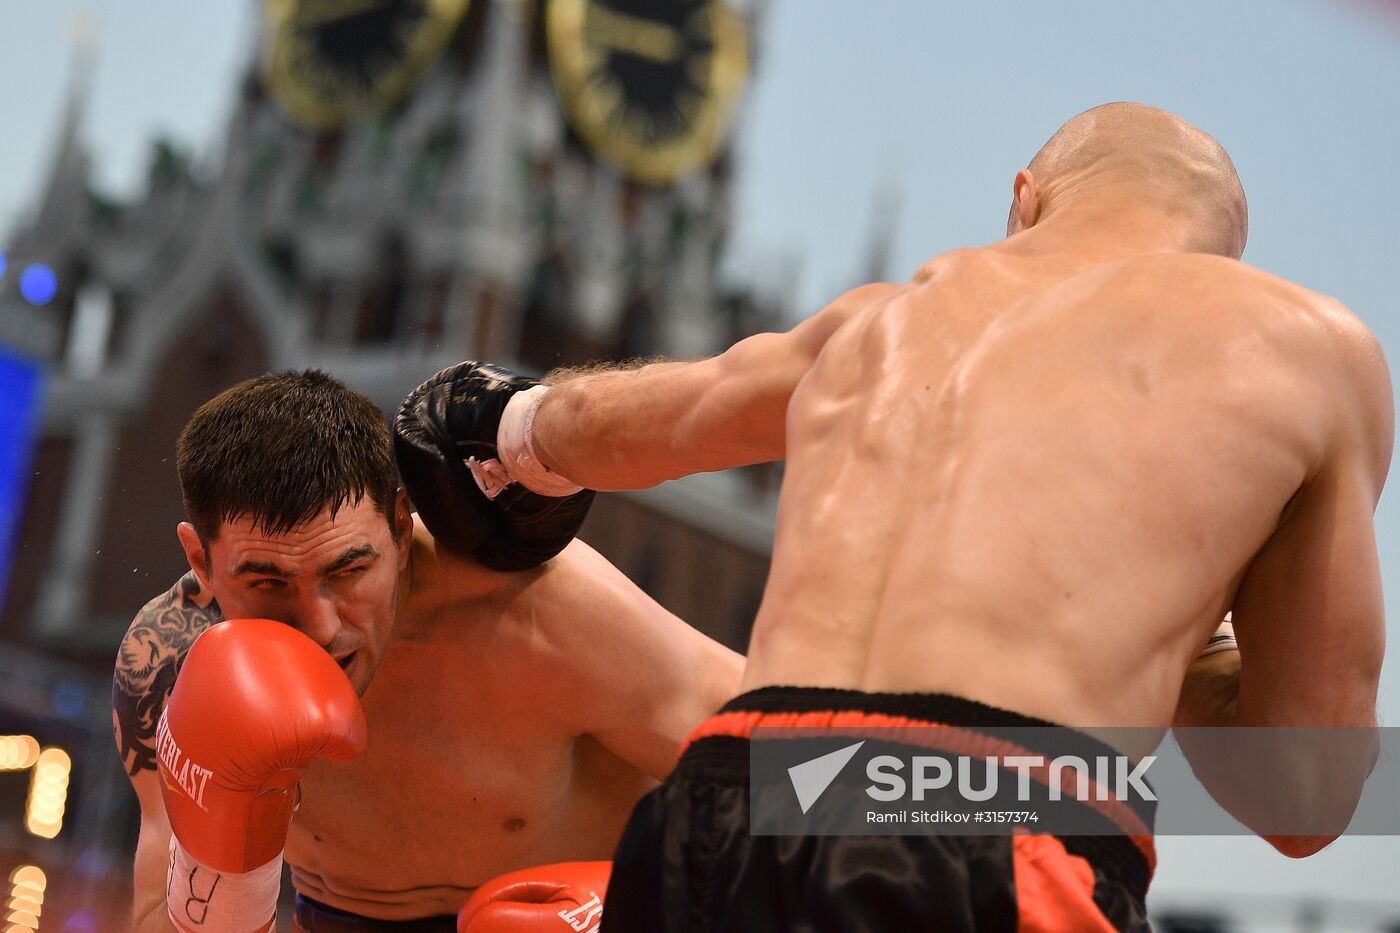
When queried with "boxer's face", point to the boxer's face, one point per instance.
{"points": [[335, 580]]}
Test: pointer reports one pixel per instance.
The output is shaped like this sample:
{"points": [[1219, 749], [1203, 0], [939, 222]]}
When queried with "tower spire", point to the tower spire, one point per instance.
{"points": [[67, 182], [884, 220]]}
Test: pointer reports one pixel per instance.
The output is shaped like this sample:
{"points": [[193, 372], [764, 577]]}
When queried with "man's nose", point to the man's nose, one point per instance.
{"points": [[318, 620]]}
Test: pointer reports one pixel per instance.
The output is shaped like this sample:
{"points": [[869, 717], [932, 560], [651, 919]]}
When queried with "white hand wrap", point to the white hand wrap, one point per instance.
{"points": [[202, 900], [1222, 640], [515, 446]]}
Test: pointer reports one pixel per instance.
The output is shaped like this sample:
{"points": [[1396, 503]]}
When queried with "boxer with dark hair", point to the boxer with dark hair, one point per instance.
{"points": [[404, 717], [1023, 487]]}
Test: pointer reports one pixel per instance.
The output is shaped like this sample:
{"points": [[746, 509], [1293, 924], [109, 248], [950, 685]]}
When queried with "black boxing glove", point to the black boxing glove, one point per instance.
{"points": [[445, 439]]}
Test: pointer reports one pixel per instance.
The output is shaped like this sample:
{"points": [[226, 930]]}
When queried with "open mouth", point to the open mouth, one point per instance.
{"points": [[346, 661]]}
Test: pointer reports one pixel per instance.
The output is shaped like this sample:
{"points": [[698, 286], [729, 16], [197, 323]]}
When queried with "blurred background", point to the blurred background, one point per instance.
{"points": [[194, 193]]}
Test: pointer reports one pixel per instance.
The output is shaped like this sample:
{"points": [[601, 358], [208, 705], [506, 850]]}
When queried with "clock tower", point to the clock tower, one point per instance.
{"points": [[652, 87], [401, 184], [330, 61]]}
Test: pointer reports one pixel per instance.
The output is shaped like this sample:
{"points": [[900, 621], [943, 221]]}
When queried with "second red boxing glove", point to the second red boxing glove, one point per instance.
{"points": [[566, 897]]}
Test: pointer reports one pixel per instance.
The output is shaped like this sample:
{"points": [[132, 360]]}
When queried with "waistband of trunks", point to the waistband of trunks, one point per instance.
{"points": [[322, 918], [719, 747]]}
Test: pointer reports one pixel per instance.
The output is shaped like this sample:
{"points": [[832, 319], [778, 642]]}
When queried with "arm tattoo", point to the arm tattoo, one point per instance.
{"points": [[148, 662]]}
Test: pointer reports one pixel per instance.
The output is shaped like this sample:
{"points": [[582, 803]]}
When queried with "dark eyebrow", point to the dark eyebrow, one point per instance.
{"points": [[360, 552], [262, 568]]}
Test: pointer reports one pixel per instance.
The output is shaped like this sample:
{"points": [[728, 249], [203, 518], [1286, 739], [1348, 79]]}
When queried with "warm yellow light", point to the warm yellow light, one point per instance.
{"points": [[30, 875], [48, 793], [18, 752], [26, 901]]}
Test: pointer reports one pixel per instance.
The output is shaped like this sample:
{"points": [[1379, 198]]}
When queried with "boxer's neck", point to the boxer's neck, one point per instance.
{"points": [[1103, 233], [433, 578]]}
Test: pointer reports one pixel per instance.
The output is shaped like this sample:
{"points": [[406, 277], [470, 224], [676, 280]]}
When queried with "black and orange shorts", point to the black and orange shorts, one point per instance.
{"points": [[687, 862]]}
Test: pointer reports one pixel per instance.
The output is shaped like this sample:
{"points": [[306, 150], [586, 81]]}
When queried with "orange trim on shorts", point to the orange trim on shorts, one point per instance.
{"points": [[739, 724], [1054, 889]]}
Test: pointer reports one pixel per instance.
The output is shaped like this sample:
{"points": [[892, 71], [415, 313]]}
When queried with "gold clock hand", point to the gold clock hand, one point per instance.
{"points": [[648, 39], [311, 13]]}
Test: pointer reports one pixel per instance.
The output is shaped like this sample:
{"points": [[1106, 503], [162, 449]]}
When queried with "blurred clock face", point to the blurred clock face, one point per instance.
{"points": [[327, 61], [650, 85]]}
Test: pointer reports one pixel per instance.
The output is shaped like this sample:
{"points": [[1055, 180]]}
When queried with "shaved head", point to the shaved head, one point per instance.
{"points": [[1149, 156]]}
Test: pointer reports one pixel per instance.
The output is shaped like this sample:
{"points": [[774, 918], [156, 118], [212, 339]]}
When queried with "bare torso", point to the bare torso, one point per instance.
{"points": [[1037, 484], [480, 758], [473, 767]]}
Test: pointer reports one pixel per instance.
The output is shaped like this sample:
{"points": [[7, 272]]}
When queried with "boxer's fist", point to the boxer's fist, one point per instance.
{"points": [[562, 898], [254, 703], [455, 417]]}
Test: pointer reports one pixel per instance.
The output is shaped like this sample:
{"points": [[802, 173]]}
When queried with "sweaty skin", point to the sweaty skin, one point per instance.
{"points": [[514, 720], [1038, 477], [1040, 485], [1038, 474]]}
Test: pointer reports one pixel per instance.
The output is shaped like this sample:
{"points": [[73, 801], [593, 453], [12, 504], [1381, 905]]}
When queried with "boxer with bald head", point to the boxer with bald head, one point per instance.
{"points": [[1021, 488], [401, 717]]}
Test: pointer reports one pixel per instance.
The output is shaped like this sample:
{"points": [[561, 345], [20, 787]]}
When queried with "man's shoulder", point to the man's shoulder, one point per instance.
{"points": [[580, 596], [1319, 346], [1323, 327], [148, 661], [1242, 294], [580, 572], [166, 627]]}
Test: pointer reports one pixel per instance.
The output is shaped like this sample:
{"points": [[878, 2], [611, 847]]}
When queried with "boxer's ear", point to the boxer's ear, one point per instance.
{"points": [[1025, 202], [194, 552], [403, 526]]}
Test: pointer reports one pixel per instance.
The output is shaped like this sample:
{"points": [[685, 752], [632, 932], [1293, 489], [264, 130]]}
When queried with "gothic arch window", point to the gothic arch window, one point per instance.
{"points": [[382, 301], [545, 328], [637, 331], [90, 330]]}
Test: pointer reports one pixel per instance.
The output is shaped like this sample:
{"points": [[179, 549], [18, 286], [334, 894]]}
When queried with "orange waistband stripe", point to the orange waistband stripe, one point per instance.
{"points": [[739, 724]]}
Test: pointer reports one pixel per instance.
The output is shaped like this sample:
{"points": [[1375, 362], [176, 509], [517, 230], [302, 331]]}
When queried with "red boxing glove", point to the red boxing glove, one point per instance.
{"points": [[255, 702], [562, 898]]}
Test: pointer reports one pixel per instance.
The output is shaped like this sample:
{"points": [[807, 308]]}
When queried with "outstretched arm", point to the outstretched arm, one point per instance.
{"points": [[631, 429]]}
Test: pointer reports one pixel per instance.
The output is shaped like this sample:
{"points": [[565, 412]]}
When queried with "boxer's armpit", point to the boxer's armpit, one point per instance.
{"points": [[1210, 691], [149, 660]]}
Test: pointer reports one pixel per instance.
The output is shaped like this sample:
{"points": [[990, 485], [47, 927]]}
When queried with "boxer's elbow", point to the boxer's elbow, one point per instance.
{"points": [[1302, 817], [151, 917], [1300, 846], [1298, 792]]}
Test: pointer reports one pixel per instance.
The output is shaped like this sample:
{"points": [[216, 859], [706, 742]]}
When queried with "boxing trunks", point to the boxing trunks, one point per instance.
{"points": [[687, 862], [314, 917]]}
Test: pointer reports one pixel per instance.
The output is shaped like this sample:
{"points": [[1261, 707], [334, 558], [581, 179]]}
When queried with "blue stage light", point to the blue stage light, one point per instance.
{"points": [[37, 283], [69, 699], [3, 259]]}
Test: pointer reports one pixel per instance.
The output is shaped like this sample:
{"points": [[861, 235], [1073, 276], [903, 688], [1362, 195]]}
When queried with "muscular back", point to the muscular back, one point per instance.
{"points": [[1040, 484]]}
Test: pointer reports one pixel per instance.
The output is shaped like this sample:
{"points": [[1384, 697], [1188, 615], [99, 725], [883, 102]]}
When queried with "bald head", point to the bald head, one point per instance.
{"points": [[1147, 156]]}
